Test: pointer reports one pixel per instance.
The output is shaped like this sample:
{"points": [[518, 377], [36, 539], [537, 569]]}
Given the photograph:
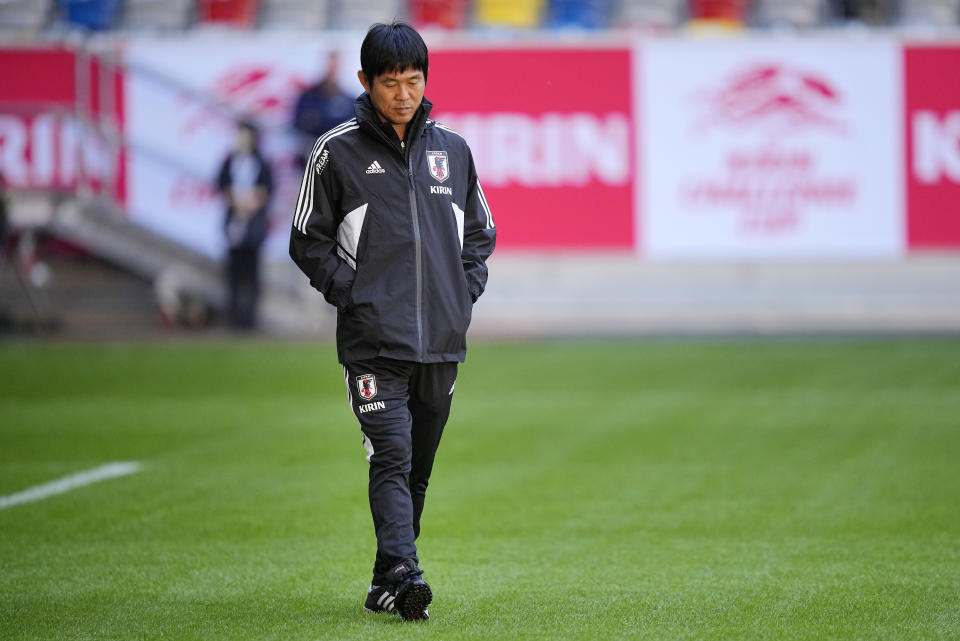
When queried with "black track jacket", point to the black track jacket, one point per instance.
{"points": [[395, 235]]}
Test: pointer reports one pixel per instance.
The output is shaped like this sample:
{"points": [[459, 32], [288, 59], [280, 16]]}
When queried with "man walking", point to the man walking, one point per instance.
{"points": [[393, 228]]}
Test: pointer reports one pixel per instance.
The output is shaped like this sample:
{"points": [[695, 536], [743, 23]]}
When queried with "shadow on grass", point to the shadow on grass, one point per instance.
{"points": [[339, 612]]}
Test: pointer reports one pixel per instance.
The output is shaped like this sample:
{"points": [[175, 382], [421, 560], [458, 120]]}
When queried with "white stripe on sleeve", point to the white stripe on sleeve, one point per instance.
{"points": [[486, 207], [305, 201]]}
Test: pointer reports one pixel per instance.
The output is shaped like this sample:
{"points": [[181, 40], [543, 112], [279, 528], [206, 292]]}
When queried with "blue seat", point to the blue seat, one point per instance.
{"points": [[92, 14], [579, 14]]}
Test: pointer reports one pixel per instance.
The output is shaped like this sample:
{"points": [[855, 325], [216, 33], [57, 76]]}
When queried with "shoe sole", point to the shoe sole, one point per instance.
{"points": [[414, 601]]}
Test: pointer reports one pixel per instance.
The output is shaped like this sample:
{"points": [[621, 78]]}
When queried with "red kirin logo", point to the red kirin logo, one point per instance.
{"points": [[774, 97], [254, 91]]}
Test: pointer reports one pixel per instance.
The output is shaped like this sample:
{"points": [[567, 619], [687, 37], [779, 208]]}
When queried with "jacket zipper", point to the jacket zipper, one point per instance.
{"points": [[418, 250]]}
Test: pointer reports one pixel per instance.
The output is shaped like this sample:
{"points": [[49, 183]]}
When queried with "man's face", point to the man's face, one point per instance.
{"points": [[396, 95]]}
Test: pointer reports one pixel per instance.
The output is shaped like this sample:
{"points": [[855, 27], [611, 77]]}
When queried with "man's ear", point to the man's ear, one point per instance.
{"points": [[363, 80]]}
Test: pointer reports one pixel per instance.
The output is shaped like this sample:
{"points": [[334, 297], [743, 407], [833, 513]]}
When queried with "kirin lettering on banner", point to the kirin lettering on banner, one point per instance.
{"points": [[551, 150], [932, 143], [771, 114], [936, 147], [43, 151]]}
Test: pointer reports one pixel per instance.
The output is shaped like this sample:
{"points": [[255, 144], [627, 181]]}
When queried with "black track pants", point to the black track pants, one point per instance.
{"points": [[243, 284], [402, 407]]}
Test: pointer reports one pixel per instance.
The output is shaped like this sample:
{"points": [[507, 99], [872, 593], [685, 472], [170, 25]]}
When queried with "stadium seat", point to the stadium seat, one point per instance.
{"points": [[719, 12], [91, 14], [235, 13], [360, 14], [508, 13], [584, 14], [792, 13], [157, 14], [942, 13], [30, 15], [447, 14], [869, 12], [648, 14], [295, 14]]}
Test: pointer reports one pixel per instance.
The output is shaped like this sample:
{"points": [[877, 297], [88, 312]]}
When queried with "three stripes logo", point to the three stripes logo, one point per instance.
{"points": [[375, 168]]}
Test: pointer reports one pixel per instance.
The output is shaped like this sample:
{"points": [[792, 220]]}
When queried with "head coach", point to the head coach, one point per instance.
{"points": [[392, 227]]}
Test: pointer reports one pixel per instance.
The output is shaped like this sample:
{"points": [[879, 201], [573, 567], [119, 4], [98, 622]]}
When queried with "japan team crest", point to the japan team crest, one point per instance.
{"points": [[439, 165], [367, 386]]}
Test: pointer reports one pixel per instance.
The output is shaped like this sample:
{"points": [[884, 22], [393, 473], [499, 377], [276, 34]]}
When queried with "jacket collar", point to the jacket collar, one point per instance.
{"points": [[367, 117]]}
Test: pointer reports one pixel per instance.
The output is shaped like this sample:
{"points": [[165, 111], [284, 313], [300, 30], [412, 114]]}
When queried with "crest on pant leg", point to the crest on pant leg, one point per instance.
{"points": [[367, 386]]}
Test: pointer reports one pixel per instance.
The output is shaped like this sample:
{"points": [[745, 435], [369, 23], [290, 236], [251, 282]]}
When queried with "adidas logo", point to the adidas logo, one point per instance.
{"points": [[375, 168]]}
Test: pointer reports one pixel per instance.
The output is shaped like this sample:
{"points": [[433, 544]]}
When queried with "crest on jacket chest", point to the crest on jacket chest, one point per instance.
{"points": [[439, 165]]}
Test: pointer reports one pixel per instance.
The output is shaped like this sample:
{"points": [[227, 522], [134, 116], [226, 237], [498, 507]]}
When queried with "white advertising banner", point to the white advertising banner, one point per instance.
{"points": [[769, 149], [181, 96]]}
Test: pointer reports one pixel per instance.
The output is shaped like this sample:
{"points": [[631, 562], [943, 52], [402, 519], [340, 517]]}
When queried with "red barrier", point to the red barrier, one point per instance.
{"points": [[932, 127]]}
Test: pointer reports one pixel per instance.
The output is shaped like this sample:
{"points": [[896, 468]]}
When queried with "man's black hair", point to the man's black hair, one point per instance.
{"points": [[392, 48]]}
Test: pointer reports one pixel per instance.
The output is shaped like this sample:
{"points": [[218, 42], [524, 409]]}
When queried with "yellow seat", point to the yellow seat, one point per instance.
{"points": [[509, 13]]}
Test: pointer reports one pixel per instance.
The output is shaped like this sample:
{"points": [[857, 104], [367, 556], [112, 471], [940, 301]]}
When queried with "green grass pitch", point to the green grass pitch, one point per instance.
{"points": [[583, 490]]}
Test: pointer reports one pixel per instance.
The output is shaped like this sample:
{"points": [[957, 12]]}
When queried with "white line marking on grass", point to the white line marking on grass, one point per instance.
{"points": [[72, 482]]}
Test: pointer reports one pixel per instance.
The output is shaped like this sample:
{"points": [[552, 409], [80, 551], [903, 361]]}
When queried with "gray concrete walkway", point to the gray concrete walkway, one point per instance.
{"points": [[531, 295]]}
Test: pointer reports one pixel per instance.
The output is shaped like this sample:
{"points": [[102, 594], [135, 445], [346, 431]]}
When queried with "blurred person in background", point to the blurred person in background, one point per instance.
{"points": [[3, 217], [393, 228], [4, 320], [321, 107], [246, 184]]}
